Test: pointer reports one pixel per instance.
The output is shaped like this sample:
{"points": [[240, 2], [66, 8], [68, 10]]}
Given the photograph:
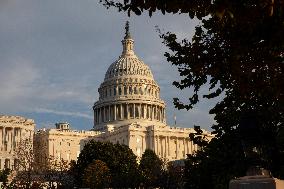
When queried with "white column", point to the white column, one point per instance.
{"points": [[143, 144], [139, 110], [115, 112], [12, 139], [177, 147], [4, 137], [127, 110], [121, 117], [169, 146], [134, 111], [184, 148], [153, 113], [108, 112], [166, 147]]}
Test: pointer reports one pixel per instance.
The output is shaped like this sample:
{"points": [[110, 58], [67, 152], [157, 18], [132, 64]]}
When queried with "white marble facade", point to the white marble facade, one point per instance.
{"points": [[129, 92], [12, 130]]}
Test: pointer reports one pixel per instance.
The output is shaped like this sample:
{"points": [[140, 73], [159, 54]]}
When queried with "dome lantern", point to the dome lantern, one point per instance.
{"points": [[128, 43]]}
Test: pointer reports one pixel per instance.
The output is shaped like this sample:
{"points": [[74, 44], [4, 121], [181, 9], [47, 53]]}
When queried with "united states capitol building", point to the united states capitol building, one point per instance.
{"points": [[129, 111]]}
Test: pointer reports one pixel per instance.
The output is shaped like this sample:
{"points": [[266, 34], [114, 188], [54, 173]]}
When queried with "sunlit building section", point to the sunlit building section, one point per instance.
{"points": [[59, 143], [129, 111], [13, 129]]}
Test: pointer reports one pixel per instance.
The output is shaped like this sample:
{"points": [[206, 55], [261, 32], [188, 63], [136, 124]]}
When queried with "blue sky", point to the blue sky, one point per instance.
{"points": [[54, 54]]}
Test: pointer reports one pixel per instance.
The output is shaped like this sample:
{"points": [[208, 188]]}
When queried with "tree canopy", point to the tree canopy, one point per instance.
{"points": [[97, 175], [118, 158], [237, 51], [151, 167]]}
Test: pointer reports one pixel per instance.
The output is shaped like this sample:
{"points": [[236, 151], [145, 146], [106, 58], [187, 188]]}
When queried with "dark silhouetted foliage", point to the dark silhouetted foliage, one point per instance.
{"points": [[237, 51], [119, 159], [151, 167]]}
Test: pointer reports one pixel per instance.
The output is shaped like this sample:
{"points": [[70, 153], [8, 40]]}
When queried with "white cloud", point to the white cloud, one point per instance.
{"points": [[64, 48], [73, 114]]}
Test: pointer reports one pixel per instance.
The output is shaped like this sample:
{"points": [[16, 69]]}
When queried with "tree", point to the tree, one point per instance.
{"points": [[25, 164], [237, 51], [4, 174], [56, 172], [151, 167], [97, 175], [120, 160], [175, 174]]}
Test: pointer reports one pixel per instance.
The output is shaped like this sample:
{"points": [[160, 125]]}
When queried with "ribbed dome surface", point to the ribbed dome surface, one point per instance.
{"points": [[128, 65]]}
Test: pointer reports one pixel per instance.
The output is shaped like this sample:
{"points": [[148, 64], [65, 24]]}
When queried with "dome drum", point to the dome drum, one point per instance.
{"points": [[121, 112]]}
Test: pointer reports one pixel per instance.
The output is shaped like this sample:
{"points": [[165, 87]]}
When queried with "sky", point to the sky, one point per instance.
{"points": [[54, 54]]}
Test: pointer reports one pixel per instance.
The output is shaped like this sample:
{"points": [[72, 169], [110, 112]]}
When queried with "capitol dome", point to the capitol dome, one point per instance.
{"points": [[129, 92]]}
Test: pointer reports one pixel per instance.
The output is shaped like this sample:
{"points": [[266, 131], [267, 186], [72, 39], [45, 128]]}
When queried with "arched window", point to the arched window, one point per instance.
{"points": [[119, 91], [135, 90], [125, 90], [114, 90], [130, 90]]}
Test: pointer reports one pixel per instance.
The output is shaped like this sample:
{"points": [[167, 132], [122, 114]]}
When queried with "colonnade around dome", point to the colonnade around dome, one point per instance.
{"points": [[126, 111]]}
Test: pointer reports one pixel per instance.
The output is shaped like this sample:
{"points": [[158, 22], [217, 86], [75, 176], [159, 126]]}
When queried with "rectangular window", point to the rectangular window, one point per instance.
{"points": [[125, 90], [114, 90]]}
